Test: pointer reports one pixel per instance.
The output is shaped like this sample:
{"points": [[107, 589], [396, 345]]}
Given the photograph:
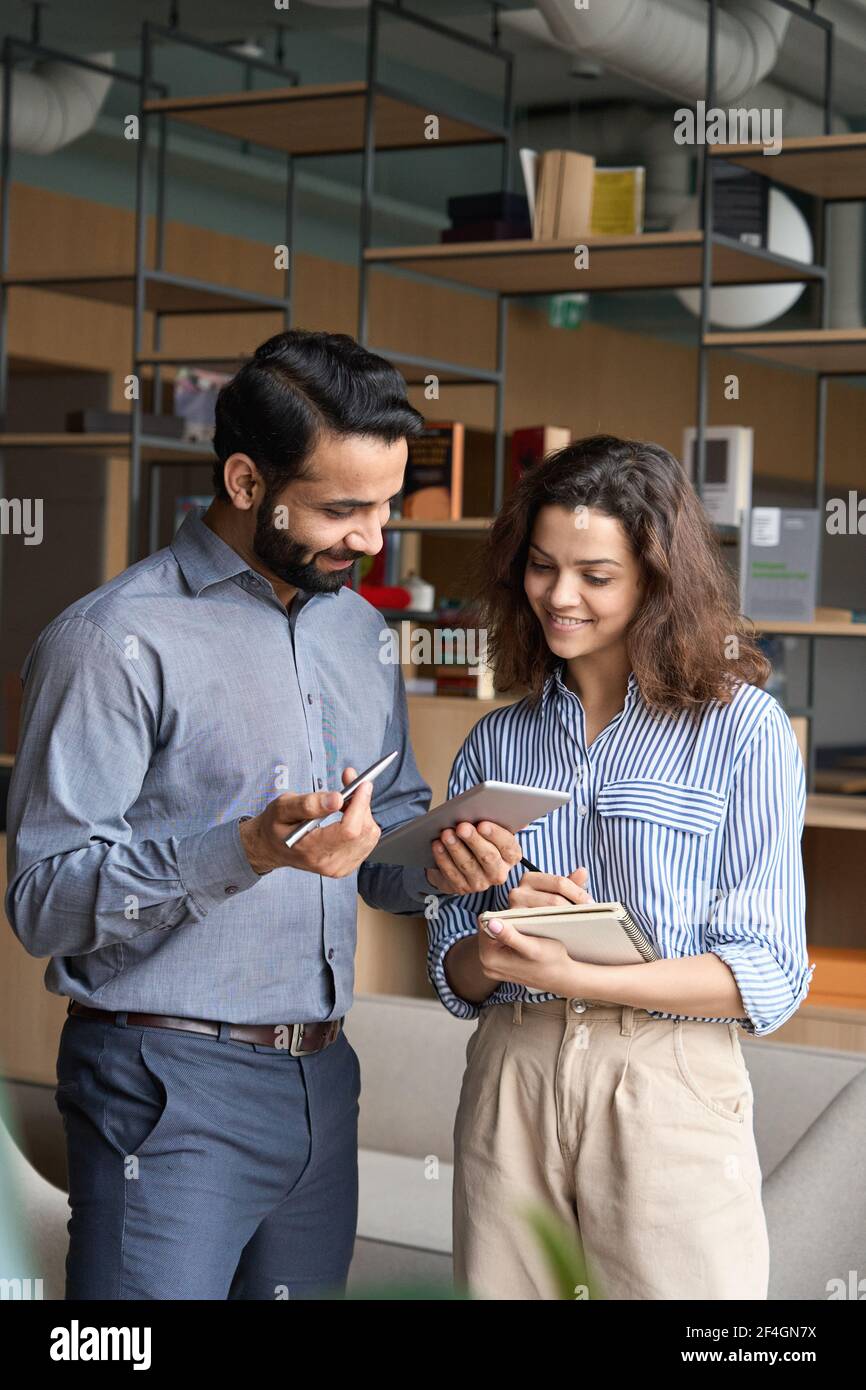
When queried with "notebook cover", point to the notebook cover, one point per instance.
{"points": [[595, 933]]}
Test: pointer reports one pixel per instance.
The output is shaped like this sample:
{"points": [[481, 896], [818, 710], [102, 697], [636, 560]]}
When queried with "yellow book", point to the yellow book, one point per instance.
{"points": [[618, 201]]}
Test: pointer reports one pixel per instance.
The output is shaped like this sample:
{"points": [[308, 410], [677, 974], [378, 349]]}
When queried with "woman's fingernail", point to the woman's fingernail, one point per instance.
{"points": [[494, 928]]}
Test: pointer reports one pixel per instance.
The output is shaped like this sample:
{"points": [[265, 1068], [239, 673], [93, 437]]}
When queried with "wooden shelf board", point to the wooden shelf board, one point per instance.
{"points": [[811, 629], [164, 292], [836, 812], [652, 260], [324, 119], [102, 443], [827, 166], [833, 351], [464, 523]]}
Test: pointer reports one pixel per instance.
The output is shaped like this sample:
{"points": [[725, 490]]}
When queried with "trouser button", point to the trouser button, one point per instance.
{"points": [[578, 1006]]}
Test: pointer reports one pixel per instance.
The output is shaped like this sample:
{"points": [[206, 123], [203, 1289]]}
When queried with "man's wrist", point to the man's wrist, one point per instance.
{"points": [[252, 849]]}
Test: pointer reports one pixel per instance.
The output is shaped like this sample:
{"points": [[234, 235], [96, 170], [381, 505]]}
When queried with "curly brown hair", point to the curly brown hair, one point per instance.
{"points": [[679, 639]]}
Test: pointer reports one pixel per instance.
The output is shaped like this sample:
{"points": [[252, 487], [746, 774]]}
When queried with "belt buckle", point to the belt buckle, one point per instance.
{"points": [[297, 1037]]}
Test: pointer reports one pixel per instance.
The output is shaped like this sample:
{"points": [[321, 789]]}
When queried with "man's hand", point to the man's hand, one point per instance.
{"points": [[471, 858], [334, 851], [550, 890], [534, 961]]}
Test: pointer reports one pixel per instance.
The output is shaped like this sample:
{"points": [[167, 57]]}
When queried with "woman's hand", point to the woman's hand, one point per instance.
{"points": [[534, 961], [550, 890]]}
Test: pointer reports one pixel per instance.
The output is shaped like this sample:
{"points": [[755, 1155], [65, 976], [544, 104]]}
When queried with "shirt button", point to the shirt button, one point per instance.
{"points": [[331, 954], [231, 888], [309, 698], [578, 1006], [318, 781], [582, 810]]}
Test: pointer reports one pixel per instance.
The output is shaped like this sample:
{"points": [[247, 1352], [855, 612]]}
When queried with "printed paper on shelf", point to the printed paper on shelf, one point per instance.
{"points": [[766, 525]]}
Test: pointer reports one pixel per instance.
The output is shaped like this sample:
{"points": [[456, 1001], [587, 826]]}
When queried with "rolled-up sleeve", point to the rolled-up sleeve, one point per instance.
{"points": [[452, 919], [757, 924], [78, 878]]}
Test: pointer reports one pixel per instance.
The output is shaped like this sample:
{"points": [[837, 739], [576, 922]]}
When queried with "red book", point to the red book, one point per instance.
{"points": [[531, 445]]}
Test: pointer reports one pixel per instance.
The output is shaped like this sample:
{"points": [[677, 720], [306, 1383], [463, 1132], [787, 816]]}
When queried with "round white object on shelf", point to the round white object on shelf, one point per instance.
{"points": [[750, 306]]}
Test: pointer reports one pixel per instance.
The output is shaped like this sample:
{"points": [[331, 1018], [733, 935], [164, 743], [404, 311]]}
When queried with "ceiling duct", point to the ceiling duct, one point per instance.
{"points": [[55, 103]]}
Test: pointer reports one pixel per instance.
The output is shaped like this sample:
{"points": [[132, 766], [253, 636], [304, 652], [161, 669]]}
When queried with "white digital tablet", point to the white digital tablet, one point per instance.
{"points": [[503, 803]]}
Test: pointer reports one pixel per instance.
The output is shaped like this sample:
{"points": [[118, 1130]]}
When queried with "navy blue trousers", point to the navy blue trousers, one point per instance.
{"points": [[201, 1168]]}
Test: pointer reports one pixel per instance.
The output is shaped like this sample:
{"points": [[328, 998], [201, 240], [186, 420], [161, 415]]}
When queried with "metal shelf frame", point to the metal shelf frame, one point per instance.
{"points": [[151, 35], [504, 131], [825, 29]]}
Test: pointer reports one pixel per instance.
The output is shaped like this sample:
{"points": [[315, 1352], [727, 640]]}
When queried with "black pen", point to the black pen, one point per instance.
{"points": [[531, 867]]}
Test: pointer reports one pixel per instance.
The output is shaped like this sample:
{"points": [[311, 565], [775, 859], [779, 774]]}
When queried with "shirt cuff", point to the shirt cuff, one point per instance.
{"points": [[763, 986], [213, 865], [416, 884], [462, 1008]]}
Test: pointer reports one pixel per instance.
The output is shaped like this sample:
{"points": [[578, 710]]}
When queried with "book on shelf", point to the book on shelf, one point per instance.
{"points": [[499, 216], [563, 201], [740, 203], [529, 169], [472, 207], [781, 563], [531, 444], [618, 201], [433, 483], [488, 229], [727, 493]]}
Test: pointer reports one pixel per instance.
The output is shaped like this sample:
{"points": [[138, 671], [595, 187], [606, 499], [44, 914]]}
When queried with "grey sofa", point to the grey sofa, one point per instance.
{"points": [[810, 1118]]}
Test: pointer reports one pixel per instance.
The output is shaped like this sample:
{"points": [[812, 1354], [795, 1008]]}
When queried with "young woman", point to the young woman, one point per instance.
{"points": [[618, 1095]]}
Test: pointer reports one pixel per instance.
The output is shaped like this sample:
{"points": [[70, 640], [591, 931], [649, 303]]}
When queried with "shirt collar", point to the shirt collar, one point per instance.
{"points": [[205, 559], [556, 689]]}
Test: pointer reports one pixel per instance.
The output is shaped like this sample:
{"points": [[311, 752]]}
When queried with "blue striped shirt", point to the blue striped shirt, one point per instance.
{"points": [[695, 828]]}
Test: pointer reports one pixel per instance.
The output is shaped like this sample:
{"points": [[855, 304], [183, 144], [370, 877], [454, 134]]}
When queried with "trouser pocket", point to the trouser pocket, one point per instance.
{"points": [[711, 1067]]}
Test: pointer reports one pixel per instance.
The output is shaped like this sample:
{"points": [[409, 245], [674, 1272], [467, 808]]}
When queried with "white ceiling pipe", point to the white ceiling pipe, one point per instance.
{"points": [[55, 104], [663, 43]]}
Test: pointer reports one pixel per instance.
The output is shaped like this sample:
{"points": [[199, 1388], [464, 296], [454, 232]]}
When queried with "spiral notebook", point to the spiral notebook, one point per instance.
{"points": [[595, 933]]}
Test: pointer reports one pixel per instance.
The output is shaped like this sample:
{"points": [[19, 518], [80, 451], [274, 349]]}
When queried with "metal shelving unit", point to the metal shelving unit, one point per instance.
{"points": [[485, 132], [829, 168], [298, 121]]}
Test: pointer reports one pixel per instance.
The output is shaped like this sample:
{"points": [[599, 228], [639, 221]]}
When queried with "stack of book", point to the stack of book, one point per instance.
{"points": [[488, 217], [574, 198]]}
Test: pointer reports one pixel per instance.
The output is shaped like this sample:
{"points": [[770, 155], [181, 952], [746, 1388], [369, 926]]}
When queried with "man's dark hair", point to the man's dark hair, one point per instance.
{"points": [[298, 385]]}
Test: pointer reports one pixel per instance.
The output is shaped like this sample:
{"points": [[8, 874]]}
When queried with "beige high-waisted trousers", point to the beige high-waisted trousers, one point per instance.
{"points": [[636, 1131]]}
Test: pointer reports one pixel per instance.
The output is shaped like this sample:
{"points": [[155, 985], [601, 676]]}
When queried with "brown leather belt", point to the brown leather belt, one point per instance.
{"points": [[295, 1038]]}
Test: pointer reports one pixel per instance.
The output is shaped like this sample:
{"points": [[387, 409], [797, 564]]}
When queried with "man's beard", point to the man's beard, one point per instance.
{"points": [[284, 557]]}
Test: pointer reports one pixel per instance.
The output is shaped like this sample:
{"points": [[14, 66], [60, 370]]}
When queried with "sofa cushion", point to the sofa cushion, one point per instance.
{"points": [[404, 1201], [815, 1203], [413, 1055]]}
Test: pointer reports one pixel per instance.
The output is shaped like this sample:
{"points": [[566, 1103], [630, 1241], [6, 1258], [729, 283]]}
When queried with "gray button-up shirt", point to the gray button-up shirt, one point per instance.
{"points": [[160, 709]]}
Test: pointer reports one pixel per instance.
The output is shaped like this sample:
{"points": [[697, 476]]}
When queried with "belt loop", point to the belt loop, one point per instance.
{"points": [[225, 1030], [518, 1011], [120, 1019], [627, 1026]]}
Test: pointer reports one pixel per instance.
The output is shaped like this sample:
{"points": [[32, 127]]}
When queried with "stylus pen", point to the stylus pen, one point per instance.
{"points": [[531, 867]]}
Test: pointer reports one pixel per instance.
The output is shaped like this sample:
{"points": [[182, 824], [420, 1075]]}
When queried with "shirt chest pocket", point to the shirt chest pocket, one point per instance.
{"points": [[658, 845]]}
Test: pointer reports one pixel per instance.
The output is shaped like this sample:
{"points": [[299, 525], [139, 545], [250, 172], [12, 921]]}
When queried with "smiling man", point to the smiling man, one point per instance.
{"points": [[178, 723]]}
